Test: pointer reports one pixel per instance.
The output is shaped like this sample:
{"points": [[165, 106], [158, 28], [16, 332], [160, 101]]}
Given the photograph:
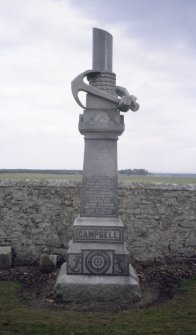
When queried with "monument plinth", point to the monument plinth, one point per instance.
{"points": [[97, 266]]}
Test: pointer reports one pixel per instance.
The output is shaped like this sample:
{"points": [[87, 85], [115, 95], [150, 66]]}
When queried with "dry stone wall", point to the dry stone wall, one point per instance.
{"points": [[37, 217]]}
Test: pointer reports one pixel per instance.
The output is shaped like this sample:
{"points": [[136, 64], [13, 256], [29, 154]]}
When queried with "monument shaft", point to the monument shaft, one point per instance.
{"points": [[100, 124], [99, 187]]}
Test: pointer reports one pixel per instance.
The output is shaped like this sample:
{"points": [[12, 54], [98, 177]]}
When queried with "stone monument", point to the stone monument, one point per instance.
{"points": [[97, 267]]}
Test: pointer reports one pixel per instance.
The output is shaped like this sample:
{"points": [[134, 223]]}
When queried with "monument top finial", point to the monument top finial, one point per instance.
{"points": [[101, 78], [102, 50]]}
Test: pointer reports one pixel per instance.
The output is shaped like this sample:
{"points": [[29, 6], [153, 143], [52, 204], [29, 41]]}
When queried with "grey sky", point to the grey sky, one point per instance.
{"points": [[44, 44]]}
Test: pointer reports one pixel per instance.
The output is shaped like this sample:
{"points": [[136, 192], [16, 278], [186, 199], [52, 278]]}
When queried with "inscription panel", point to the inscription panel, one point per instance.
{"points": [[98, 234], [99, 196]]}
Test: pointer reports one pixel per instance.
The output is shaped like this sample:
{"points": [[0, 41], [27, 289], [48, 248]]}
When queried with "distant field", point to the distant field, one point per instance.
{"points": [[157, 179], [136, 179]]}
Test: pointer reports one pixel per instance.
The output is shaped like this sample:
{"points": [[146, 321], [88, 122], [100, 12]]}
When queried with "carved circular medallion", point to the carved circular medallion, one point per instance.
{"points": [[98, 262]]}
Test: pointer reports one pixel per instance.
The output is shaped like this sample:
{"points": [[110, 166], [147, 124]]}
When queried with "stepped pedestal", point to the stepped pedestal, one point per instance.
{"points": [[97, 267]]}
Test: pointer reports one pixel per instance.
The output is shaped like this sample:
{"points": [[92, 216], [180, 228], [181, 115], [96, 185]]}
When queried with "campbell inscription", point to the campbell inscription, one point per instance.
{"points": [[98, 234]]}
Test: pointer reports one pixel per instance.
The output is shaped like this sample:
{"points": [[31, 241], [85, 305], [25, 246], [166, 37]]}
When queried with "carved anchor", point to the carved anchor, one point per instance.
{"points": [[76, 267], [119, 263], [125, 103]]}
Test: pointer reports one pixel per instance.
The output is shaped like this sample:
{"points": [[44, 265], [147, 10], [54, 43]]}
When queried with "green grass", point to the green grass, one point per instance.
{"points": [[138, 179], [156, 179], [174, 317]]}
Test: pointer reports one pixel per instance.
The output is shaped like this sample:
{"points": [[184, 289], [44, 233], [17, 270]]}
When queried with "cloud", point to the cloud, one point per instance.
{"points": [[39, 52], [160, 22], [45, 44]]}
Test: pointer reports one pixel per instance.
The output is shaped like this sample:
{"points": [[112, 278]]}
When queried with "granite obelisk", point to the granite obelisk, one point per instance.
{"points": [[97, 267]]}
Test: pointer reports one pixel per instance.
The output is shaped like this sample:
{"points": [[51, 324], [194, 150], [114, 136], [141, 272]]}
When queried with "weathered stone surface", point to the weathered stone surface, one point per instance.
{"points": [[97, 288], [37, 217], [162, 220], [5, 257]]}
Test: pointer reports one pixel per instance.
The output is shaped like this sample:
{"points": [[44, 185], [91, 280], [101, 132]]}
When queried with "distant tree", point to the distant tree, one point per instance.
{"points": [[134, 172], [140, 172]]}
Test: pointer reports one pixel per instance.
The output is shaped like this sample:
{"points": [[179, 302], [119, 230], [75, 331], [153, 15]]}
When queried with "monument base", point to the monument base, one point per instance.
{"points": [[97, 267], [88, 288]]}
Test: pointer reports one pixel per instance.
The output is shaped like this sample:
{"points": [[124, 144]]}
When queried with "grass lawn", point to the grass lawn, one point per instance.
{"points": [[174, 317], [136, 179]]}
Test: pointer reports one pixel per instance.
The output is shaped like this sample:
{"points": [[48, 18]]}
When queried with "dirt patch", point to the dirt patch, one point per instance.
{"points": [[158, 283]]}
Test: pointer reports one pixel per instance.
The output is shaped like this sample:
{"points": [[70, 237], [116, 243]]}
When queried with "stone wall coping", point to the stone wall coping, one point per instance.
{"points": [[75, 184]]}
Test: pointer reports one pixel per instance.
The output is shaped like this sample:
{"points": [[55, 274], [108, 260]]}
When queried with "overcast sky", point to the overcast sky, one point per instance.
{"points": [[44, 44]]}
